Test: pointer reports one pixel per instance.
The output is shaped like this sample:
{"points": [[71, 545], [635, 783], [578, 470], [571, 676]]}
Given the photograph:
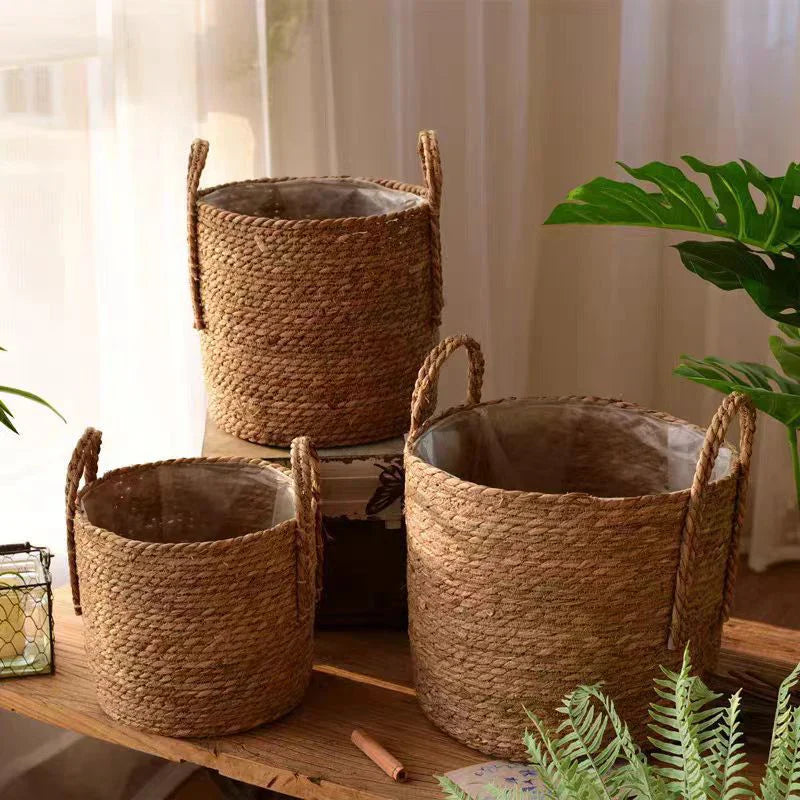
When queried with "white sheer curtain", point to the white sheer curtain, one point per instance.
{"points": [[530, 99], [99, 100]]}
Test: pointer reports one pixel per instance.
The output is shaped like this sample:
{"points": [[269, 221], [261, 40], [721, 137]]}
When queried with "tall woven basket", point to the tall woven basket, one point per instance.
{"points": [[316, 300], [197, 579], [560, 541]]}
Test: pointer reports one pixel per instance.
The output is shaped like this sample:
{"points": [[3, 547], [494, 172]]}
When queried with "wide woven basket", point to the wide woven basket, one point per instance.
{"points": [[197, 579], [559, 541], [317, 300]]}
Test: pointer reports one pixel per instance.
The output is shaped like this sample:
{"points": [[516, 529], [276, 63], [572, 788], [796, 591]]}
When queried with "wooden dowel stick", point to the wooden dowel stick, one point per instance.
{"points": [[378, 755]]}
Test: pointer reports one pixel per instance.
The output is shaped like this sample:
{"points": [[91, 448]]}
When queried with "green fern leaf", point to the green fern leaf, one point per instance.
{"points": [[782, 778], [452, 791], [684, 730], [726, 760]]}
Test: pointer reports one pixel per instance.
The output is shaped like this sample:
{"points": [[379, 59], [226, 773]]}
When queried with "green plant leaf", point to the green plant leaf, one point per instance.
{"points": [[29, 396], [754, 380], [783, 750], [727, 759], [787, 355], [731, 265], [5, 419], [789, 330], [685, 731], [452, 791], [680, 204]]}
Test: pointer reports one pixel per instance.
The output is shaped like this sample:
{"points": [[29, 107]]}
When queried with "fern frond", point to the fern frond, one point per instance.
{"points": [[727, 759], [560, 776], [685, 731], [452, 791], [634, 778], [782, 778], [582, 739]]}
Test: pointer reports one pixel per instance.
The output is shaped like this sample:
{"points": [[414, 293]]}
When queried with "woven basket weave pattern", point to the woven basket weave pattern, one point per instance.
{"points": [[517, 597], [315, 326], [195, 638]]}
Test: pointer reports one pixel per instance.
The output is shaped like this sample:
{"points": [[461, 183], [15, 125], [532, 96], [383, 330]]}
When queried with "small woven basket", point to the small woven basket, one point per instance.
{"points": [[317, 300], [197, 579], [561, 541]]}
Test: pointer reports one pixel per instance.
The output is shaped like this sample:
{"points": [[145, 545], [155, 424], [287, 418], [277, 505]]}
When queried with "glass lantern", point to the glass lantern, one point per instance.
{"points": [[26, 611]]}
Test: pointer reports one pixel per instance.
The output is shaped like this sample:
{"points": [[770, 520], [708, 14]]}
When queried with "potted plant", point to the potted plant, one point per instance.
{"points": [[757, 251], [697, 749]]}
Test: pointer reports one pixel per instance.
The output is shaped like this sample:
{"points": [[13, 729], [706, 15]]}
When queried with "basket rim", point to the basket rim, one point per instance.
{"points": [[284, 474], [675, 496], [327, 222]]}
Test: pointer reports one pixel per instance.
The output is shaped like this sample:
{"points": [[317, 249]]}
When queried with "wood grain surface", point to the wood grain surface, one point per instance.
{"points": [[362, 679]]}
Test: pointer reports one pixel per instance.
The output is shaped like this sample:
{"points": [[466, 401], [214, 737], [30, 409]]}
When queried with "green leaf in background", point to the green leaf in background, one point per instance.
{"points": [[5, 411], [29, 396], [680, 204], [790, 330], [732, 265], [787, 355], [755, 380]]}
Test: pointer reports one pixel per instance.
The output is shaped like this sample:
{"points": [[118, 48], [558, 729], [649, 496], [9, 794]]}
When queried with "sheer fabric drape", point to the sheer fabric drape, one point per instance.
{"points": [[100, 100]]}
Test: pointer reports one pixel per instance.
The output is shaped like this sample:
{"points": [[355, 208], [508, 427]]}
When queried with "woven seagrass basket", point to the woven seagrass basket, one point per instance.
{"points": [[560, 541], [197, 579], [317, 300]]}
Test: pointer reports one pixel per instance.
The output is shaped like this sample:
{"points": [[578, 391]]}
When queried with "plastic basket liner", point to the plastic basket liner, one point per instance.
{"points": [[311, 198], [558, 447], [190, 502]]}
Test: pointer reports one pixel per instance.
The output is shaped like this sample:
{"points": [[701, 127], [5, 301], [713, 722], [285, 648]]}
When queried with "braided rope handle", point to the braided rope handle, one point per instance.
{"points": [[309, 544], [735, 403], [197, 160], [423, 400], [432, 174], [83, 464]]}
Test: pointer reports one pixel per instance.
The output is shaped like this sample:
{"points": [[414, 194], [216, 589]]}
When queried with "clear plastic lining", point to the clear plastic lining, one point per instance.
{"points": [[311, 198], [190, 502], [555, 448]]}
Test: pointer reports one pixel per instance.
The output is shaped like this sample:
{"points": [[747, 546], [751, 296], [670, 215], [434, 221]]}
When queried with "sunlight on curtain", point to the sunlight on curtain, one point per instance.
{"points": [[99, 102], [530, 99]]}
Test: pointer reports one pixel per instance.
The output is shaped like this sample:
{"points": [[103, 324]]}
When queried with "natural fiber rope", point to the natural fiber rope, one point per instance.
{"points": [[305, 471], [715, 436], [83, 464], [190, 637], [423, 399], [515, 596], [432, 171], [315, 326], [197, 160]]}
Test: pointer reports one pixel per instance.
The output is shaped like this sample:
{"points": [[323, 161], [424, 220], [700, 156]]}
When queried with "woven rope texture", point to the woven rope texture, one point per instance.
{"points": [[516, 597], [315, 326], [188, 633]]}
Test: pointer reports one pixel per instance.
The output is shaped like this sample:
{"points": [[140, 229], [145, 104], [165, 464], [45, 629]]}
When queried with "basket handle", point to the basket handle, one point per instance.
{"points": [[309, 545], [432, 174], [83, 464], [197, 160], [423, 401], [735, 403]]}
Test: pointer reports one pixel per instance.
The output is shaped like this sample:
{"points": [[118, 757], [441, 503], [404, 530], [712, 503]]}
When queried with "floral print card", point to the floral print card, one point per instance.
{"points": [[482, 781]]}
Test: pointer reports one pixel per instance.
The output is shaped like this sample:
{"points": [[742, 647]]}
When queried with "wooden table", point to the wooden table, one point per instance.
{"points": [[361, 679]]}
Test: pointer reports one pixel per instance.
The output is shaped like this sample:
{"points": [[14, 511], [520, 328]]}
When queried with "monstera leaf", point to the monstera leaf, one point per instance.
{"points": [[680, 204], [781, 401], [732, 265]]}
